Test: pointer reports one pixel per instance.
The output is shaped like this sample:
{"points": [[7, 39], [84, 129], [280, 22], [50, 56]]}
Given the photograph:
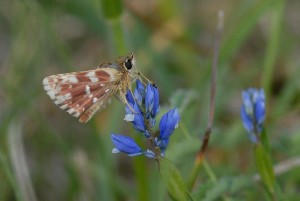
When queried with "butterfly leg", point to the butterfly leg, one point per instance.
{"points": [[122, 97], [131, 108]]}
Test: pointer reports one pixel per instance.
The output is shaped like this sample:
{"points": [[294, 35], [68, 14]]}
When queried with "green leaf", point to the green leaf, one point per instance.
{"points": [[264, 167], [112, 8], [173, 180]]}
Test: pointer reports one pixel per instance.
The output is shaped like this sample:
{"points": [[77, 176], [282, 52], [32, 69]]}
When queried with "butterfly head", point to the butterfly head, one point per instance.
{"points": [[129, 64]]}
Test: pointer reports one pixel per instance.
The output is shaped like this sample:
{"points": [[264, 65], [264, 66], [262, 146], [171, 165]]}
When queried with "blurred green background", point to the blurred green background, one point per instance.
{"points": [[45, 154]]}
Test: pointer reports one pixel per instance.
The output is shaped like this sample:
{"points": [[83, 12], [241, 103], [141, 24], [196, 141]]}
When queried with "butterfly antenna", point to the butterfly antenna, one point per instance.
{"points": [[143, 76]]}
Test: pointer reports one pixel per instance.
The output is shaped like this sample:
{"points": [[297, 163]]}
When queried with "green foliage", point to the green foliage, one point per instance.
{"points": [[173, 180], [265, 167]]}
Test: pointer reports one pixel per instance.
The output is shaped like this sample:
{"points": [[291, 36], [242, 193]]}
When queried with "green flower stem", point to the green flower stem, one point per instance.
{"points": [[265, 169], [264, 165], [141, 178]]}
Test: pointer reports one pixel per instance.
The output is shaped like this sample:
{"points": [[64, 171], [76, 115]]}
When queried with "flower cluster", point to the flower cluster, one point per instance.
{"points": [[141, 111], [253, 112]]}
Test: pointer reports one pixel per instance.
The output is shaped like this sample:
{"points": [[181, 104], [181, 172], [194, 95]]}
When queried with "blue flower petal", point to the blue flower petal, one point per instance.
{"points": [[247, 121], [253, 112], [247, 102], [138, 98], [155, 109], [259, 110], [139, 93], [139, 123], [168, 123], [136, 118], [126, 145], [129, 97], [151, 101], [140, 87]]}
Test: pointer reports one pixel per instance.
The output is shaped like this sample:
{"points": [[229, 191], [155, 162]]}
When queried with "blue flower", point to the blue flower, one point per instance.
{"points": [[253, 112], [135, 117], [167, 125], [141, 110], [151, 103], [126, 145]]}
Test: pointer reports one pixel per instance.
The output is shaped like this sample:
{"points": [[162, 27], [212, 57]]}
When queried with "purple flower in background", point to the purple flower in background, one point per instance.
{"points": [[253, 112]]}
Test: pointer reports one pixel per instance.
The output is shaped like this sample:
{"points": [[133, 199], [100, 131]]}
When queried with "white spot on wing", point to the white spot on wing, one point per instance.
{"points": [[72, 79], [51, 94], [87, 89], [64, 106], [45, 81], [71, 110], [95, 100], [62, 98], [67, 96], [106, 90], [94, 79], [91, 96], [92, 76], [77, 114], [47, 87]]}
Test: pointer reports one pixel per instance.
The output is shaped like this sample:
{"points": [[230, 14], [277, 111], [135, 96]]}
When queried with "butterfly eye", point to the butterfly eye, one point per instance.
{"points": [[128, 64]]}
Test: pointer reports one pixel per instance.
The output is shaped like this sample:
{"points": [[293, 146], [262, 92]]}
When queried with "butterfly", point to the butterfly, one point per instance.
{"points": [[84, 93]]}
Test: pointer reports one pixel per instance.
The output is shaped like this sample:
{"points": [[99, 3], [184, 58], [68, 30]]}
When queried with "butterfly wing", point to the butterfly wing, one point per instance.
{"points": [[83, 93]]}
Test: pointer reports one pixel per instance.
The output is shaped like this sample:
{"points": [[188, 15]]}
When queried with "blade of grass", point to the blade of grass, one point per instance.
{"points": [[242, 29], [272, 47]]}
